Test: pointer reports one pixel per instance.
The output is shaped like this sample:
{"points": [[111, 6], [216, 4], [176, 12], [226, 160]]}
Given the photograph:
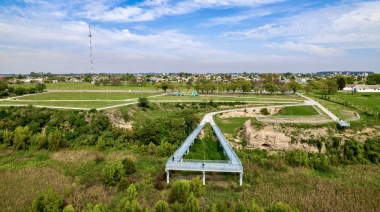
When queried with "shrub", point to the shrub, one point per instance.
{"points": [[68, 208], [280, 207], [99, 157], [353, 151], [158, 183], [179, 191], [129, 166], [192, 204], [143, 102], [162, 206], [123, 184], [112, 173], [196, 186], [297, 158], [264, 111], [254, 207], [131, 192], [372, 150], [48, 201]]}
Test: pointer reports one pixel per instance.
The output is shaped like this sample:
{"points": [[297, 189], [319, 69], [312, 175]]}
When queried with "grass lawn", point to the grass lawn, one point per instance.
{"points": [[362, 101], [235, 97], [87, 86], [62, 96], [74, 104], [297, 111], [348, 111]]}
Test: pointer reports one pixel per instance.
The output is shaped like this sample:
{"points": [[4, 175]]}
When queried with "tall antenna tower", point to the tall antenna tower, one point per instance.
{"points": [[89, 35]]}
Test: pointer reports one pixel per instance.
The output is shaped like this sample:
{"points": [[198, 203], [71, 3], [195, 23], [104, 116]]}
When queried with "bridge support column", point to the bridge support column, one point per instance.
{"points": [[167, 176], [204, 178], [241, 179]]}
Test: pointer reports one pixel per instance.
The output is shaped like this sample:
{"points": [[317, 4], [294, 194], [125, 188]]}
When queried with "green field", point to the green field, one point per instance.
{"points": [[68, 104], [236, 97], [346, 105], [96, 99], [362, 101], [87, 86], [297, 111], [62, 96]]}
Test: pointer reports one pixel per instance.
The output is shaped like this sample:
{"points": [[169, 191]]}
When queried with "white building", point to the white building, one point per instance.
{"points": [[366, 88], [349, 87]]}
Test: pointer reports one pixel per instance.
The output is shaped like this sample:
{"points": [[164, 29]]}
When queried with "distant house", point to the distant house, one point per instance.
{"points": [[348, 87], [366, 88]]}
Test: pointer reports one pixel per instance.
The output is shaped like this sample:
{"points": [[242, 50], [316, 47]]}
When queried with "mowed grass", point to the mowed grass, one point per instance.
{"points": [[363, 101], [69, 104], [61, 96], [88, 86], [230, 126], [347, 111], [297, 111], [233, 97]]}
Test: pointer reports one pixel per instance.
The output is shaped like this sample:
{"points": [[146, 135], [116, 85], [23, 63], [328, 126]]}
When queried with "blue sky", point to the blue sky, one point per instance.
{"points": [[198, 36]]}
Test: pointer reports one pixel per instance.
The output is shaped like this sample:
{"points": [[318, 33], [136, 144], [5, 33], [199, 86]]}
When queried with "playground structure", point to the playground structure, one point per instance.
{"points": [[192, 93]]}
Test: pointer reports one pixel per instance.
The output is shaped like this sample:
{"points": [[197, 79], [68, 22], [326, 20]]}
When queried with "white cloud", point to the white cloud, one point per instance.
{"points": [[153, 9], [349, 24], [308, 48]]}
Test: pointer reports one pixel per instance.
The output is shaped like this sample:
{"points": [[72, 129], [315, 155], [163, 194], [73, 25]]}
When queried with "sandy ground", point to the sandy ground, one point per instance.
{"points": [[248, 113], [272, 138], [118, 121]]}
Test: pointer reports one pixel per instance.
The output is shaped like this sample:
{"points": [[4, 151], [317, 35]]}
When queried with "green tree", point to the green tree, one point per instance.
{"points": [[196, 186], [341, 81], [21, 138], [373, 79], [19, 91], [158, 86], [179, 191], [8, 137], [40, 87], [112, 173], [48, 201], [350, 80], [143, 102], [329, 86], [294, 86], [54, 139], [270, 87], [246, 87], [162, 206], [40, 140], [129, 166], [283, 88], [192, 204]]}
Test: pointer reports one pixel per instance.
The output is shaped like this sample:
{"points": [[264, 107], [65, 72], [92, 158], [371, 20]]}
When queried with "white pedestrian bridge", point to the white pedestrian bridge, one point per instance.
{"points": [[176, 161]]}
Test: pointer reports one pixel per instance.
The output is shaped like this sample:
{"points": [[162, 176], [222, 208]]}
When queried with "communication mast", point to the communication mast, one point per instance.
{"points": [[89, 35]]}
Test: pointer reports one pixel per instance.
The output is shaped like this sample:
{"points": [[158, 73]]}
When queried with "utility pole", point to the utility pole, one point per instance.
{"points": [[90, 36]]}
